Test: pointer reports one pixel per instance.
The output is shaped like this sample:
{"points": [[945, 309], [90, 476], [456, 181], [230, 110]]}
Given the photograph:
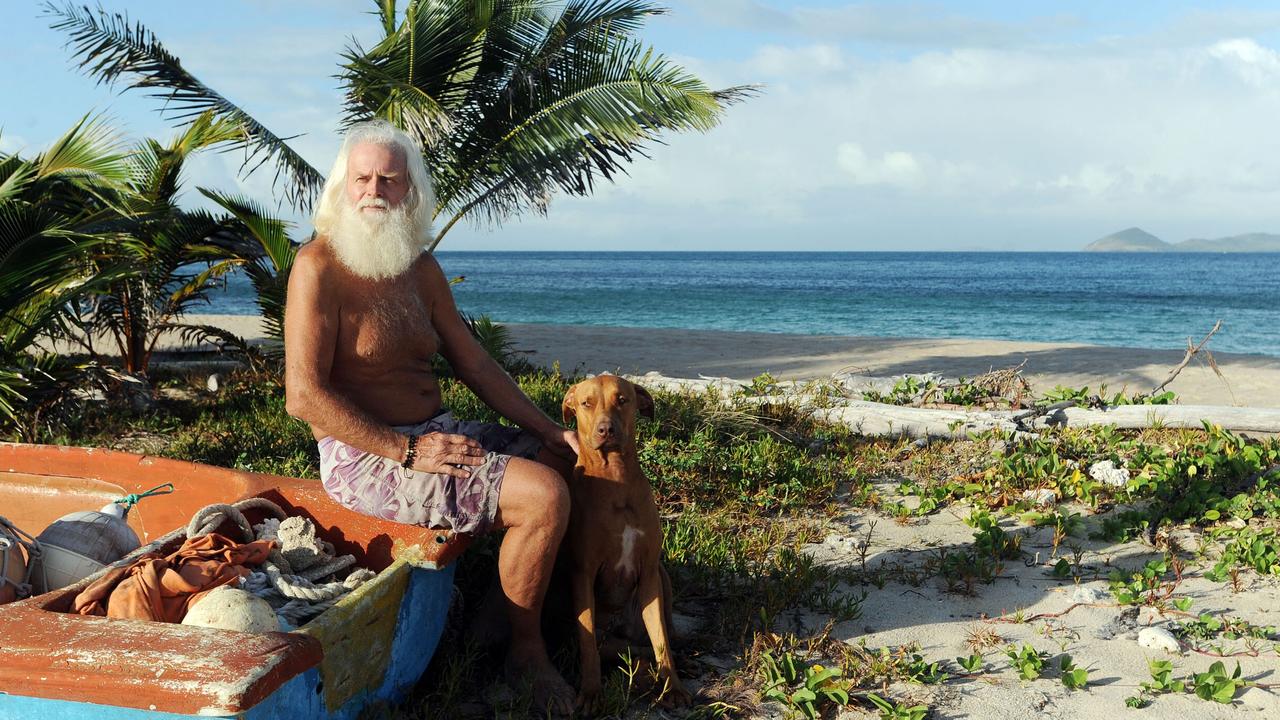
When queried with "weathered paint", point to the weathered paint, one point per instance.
{"points": [[57, 664], [298, 698], [356, 635], [419, 625]]}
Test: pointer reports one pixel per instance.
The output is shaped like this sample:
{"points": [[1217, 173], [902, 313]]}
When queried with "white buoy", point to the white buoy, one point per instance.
{"points": [[79, 544]]}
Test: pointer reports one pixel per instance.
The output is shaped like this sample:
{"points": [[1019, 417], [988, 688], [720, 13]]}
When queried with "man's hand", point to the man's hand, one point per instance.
{"points": [[448, 454], [564, 443]]}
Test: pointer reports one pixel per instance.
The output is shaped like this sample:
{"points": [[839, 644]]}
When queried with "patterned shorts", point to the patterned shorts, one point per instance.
{"points": [[374, 485]]}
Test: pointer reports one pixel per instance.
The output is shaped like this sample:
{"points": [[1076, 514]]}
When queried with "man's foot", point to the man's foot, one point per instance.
{"points": [[534, 671]]}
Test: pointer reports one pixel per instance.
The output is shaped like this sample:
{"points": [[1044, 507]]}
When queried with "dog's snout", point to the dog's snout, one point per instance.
{"points": [[605, 429]]}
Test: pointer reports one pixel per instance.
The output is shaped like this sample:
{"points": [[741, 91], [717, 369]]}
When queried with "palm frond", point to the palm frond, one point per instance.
{"points": [[109, 47], [591, 122], [15, 175], [13, 388], [223, 339], [386, 12], [156, 169], [271, 233], [37, 255], [91, 148], [417, 76], [270, 281], [43, 274], [196, 288]]}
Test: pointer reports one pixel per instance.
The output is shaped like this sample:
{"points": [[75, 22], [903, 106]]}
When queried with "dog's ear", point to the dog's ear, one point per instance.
{"points": [[568, 408], [644, 402]]}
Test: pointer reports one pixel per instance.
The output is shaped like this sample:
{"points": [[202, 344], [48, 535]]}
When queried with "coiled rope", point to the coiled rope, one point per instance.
{"points": [[295, 593]]}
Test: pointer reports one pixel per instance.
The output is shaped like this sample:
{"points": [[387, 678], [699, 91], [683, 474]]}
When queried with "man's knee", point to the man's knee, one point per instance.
{"points": [[534, 493]]}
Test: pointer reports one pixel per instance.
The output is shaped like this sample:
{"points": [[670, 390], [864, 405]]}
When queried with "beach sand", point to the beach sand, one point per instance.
{"points": [[1057, 618], [1251, 380]]}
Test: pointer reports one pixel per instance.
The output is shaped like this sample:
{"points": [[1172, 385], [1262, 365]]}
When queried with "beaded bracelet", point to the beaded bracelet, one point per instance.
{"points": [[411, 454]]}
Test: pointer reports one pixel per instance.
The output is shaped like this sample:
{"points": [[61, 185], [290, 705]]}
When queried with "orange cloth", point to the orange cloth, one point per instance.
{"points": [[162, 588]]}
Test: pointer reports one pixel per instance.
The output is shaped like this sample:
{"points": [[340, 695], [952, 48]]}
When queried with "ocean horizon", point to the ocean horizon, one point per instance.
{"points": [[1116, 299]]}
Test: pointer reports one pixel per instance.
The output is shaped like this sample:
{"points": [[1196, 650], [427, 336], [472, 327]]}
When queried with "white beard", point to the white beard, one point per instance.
{"points": [[376, 245]]}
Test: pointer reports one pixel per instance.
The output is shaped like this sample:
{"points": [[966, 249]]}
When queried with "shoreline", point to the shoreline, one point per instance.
{"points": [[1251, 380]]}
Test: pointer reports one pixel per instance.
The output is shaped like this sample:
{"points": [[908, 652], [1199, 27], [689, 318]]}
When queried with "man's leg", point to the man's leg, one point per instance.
{"points": [[533, 506]]}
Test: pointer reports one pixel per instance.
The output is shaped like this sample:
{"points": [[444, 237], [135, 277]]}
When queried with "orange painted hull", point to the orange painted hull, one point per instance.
{"points": [[49, 654]]}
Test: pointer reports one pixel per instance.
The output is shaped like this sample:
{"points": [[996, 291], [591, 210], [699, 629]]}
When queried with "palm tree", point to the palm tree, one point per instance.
{"points": [[93, 245], [175, 256], [55, 210], [511, 100]]}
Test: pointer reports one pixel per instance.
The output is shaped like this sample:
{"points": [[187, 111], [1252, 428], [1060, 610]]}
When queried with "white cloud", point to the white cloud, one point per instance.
{"points": [[1255, 64], [1036, 148], [772, 61], [895, 168], [904, 24]]}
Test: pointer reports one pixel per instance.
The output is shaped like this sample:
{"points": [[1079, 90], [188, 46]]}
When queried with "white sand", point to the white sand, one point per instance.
{"points": [[1097, 636], [1251, 380]]}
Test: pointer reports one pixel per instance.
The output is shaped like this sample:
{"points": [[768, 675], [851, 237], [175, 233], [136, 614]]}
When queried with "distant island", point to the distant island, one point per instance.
{"points": [[1139, 240]]}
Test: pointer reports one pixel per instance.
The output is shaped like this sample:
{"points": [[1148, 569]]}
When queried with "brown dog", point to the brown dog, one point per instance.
{"points": [[614, 539]]}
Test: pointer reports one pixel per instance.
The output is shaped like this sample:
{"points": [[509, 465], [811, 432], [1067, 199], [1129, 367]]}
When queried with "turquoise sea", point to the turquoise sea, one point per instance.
{"points": [[1133, 300]]}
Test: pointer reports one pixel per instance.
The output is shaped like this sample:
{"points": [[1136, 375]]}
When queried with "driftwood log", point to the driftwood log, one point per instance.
{"points": [[883, 420], [1236, 419], [877, 419]]}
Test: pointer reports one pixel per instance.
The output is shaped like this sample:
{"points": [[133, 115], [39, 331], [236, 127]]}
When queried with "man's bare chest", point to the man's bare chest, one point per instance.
{"points": [[383, 327]]}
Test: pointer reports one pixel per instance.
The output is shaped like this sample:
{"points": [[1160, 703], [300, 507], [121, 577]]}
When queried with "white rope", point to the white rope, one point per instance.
{"points": [[211, 517], [296, 595]]}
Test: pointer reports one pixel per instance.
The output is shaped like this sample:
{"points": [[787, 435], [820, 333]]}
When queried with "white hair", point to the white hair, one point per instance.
{"points": [[419, 203]]}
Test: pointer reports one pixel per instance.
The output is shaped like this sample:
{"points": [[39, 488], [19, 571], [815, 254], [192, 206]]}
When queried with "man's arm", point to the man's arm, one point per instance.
{"points": [[482, 373], [310, 336]]}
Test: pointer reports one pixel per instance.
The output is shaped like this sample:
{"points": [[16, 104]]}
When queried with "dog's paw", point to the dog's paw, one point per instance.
{"points": [[589, 702], [673, 694]]}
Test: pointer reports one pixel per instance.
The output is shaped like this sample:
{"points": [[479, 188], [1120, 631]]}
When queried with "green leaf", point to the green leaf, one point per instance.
{"points": [[1225, 692], [879, 702], [840, 697], [814, 680], [803, 695], [1075, 679]]}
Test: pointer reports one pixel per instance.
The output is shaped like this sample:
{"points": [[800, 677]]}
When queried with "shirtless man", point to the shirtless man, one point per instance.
{"points": [[367, 310]]}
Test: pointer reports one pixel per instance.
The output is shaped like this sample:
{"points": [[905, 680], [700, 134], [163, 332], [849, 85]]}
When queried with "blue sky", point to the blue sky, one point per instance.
{"points": [[882, 126]]}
